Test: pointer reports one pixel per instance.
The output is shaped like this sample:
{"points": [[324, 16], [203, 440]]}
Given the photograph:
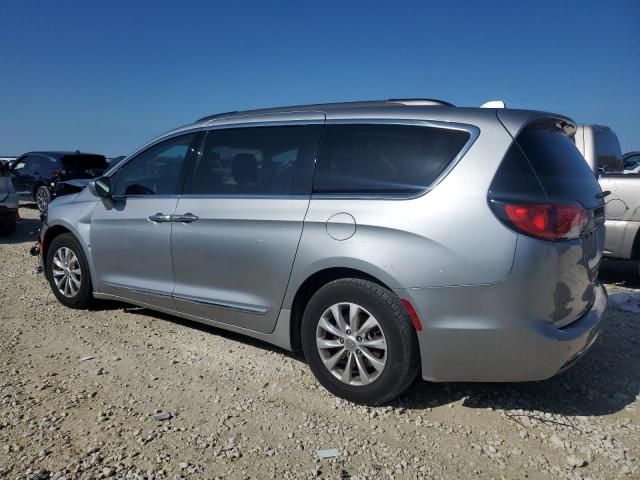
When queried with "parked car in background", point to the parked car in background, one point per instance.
{"points": [[601, 149], [8, 202], [631, 162], [113, 161], [36, 174], [385, 239], [7, 161]]}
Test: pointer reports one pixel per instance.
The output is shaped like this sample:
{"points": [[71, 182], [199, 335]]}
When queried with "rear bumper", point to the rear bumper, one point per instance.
{"points": [[476, 334]]}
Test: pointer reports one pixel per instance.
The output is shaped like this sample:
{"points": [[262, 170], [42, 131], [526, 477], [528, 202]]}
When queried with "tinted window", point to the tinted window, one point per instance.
{"points": [[631, 161], [157, 170], [608, 151], [515, 179], [20, 164], [563, 171], [41, 164], [257, 161], [84, 163], [384, 159]]}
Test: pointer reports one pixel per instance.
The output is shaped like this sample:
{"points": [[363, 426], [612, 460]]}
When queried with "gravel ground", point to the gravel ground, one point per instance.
{"points": [[128, 393]]}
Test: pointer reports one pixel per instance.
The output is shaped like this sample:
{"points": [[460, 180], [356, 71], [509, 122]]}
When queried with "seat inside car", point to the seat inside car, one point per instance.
{"points": [[244, 169]]}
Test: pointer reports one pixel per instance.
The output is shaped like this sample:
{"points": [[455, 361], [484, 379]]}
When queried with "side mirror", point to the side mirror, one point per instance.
{"points": [[101, 187]]}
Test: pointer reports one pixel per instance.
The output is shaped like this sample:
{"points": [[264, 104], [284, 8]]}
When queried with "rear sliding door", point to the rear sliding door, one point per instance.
{"points": [[239, 222]]}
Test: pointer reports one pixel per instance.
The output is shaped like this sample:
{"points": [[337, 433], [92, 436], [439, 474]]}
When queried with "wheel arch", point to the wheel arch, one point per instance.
{"points": [[310, 286], [60, 228], [36, 186]]}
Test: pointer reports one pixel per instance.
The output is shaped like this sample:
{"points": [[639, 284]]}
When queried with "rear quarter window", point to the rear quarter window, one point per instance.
{"points": [[384, 159], [562, 170]]}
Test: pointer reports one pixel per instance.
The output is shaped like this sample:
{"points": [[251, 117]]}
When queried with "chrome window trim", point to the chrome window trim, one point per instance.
{"points": [[472, 130], [117, 198], [262, 119], [265, 123], [219, 196]]}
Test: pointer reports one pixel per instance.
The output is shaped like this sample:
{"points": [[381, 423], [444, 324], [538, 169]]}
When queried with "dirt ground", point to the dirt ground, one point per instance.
{"points": [[124, 392]]}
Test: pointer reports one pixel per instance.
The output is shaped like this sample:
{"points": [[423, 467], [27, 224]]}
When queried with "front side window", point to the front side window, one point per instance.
{"points": [[20, 164], [248, 161], [156, 171], [632, 161], [384, 159]]}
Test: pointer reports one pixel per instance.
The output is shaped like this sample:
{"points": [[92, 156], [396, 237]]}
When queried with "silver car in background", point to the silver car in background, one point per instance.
{"points": [[386, 239]]}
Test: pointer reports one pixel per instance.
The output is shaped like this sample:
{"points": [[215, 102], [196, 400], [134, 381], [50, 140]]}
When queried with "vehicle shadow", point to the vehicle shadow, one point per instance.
{"points": [[236, 337], [604, 382], [623, 273], [26, 232]]}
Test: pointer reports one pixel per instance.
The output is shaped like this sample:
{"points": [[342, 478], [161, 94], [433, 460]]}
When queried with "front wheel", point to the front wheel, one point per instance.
{"points": [[43, 197], [68, 272], [359, 341]]}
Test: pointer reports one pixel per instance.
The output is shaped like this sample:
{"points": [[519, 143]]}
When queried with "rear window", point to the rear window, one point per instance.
{"points": [[562, 170], [608, 151], [84, 163], [384, 159]]}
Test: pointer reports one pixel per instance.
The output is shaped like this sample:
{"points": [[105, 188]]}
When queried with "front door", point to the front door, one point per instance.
{"points": [[23, 177], [131, 233], [238, 225]]}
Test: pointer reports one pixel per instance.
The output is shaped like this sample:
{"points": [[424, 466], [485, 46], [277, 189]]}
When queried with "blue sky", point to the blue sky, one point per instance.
{"points": [[108, 76]]}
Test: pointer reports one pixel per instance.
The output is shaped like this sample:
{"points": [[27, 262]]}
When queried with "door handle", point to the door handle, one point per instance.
{"points": [[186, 218], [160, 218]]}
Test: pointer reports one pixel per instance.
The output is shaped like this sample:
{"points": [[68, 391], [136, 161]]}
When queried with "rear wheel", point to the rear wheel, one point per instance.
{"points": [[359, 341], [43, 197], [68, 272]]}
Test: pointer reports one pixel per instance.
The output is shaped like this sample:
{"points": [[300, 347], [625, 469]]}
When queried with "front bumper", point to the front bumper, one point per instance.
{"points": [[476, 334]]}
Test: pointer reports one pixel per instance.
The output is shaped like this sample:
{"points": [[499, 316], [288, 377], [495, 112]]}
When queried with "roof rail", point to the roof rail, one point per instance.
{"points": [[215, 115], [494, 104], [420, 102]]}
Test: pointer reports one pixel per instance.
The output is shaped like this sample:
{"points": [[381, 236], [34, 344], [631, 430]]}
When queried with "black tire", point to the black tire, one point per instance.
{"points": [[84, 297], [402, 362], [42, 197], [8, 226]]}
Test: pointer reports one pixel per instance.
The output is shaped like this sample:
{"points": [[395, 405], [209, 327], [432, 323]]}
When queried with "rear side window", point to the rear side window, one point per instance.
{"points": [[82, 163], [248, 161], [562, 170], [384, 159]]}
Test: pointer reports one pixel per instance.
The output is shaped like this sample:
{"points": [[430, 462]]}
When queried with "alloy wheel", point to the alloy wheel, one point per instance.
{"points": [[42, 199], [67, 274], [351, 344]]}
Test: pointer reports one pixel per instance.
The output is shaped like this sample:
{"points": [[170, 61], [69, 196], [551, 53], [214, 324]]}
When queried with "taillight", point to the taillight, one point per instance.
{"points": [[59, 173], [547, 221]]}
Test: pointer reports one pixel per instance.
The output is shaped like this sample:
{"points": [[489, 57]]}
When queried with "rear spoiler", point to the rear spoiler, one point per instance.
{"points": [[515, 121]]}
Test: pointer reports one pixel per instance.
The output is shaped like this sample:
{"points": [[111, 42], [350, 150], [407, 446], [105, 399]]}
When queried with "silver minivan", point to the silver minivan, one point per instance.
{"points": [[386, 239]]}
